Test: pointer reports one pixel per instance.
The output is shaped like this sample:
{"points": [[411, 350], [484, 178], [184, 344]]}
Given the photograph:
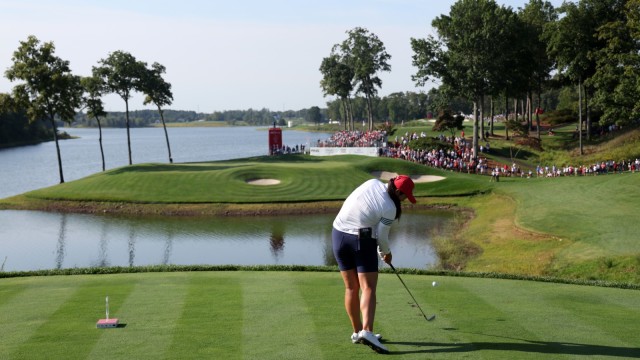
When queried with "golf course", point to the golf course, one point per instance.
{"points": [[537, 268]]}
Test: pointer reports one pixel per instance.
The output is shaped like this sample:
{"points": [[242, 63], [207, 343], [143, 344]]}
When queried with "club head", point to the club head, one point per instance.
{"points": [[429, 318]]}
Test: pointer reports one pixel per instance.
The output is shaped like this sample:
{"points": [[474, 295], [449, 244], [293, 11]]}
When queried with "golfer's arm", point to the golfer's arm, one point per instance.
{"points": [[383, 235]]}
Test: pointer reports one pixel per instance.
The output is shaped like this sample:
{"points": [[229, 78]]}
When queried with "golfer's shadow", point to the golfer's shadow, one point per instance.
{"points": [[525, 346]]}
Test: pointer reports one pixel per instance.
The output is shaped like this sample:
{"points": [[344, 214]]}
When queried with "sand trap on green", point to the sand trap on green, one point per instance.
{"points": [[386, 176], [263, 182]]}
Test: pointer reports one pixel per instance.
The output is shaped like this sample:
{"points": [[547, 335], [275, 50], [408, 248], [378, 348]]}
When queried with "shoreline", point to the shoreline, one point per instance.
{"points": [[22, 202]]}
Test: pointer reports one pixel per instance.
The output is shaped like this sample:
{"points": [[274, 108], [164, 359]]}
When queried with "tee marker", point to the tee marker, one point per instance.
{"points": [[107, 323]]}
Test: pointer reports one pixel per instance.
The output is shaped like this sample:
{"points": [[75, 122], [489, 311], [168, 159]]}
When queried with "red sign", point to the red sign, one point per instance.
{"points": [[275, 140]]}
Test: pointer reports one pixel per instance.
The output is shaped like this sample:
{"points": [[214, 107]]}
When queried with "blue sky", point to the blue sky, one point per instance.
{"points": [[223, 55]]}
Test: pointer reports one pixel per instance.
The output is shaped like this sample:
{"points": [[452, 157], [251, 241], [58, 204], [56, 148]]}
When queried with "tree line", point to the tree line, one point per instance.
{"points": [[490, 54], [483, 50], [142, 118], [48, 91]]}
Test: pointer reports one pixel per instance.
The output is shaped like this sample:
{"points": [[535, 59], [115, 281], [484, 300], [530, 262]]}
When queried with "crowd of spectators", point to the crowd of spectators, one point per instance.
{"points": [[604, 167], [459, 156], [285, 149], [375, 138]]}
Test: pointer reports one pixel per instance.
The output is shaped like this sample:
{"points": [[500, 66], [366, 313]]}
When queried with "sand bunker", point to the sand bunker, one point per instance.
{"points": [[263, 182], [386, 176]]}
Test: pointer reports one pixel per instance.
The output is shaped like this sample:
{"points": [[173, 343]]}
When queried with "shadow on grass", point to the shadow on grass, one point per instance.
{"points": [[119, 326], [524, 346]]}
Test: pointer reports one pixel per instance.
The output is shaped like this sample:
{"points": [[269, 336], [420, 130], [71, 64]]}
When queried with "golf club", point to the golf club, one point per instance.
{"points": [[428, 318]]}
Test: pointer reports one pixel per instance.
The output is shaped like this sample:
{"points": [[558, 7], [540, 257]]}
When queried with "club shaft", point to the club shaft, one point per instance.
{"points": [[410, 294]]}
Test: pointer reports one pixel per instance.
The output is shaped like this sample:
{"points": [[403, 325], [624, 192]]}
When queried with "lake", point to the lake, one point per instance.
{"points": [[33, 240], [32, 167]]}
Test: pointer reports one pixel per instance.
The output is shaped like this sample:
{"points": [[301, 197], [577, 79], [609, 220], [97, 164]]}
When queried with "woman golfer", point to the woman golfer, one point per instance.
{"points": [[360, 233]]}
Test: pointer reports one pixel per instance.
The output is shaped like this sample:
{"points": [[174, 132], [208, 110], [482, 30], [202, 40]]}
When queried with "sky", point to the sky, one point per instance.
{"points": [[223, 55]]}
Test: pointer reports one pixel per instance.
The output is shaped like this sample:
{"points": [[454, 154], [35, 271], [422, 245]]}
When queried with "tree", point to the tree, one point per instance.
{"points": [[634, 26], [517, 127], [569, 41], [397, 106], [94, 87], [470, 57], [334, 111], [15, 127], [313, 115], [617, 74], [157, 91], [417, 105], [448, 122], [49, 89], [336, 80], [366, 55], [535, 16], [122, 75]]}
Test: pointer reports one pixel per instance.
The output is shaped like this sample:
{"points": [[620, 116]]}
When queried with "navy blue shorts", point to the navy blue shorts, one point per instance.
{"points": [[351, 253]]}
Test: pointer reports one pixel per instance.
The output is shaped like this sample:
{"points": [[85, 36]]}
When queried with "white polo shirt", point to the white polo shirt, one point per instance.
{"points": [[369, 205]]}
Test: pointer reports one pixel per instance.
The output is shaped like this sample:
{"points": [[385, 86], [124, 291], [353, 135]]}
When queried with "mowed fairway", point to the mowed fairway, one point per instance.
{"points": [[299, 315]]}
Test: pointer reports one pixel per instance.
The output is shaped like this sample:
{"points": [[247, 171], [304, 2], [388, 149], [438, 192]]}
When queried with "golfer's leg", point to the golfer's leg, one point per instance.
{"points": [[368, 283], [352, 298]]}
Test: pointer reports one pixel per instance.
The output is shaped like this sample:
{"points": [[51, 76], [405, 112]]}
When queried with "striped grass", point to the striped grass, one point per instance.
{"points": [[300, 315], [302, 178]]}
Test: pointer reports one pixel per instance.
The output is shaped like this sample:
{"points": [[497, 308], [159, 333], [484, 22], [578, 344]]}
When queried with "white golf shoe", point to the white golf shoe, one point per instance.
{"points": [[368, 338], [354, 337]]}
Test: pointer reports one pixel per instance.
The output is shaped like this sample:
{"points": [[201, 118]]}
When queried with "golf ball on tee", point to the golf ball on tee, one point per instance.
{"points": [[434, 283]]}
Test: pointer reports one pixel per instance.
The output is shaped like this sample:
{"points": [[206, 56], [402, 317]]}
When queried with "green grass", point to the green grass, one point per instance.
{"points": [[295, 315], [560, 229], [302, 178], [600, 211], [591, 220]]}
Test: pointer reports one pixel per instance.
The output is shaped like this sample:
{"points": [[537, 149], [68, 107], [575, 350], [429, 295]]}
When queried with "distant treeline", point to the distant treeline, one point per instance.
{"points": [[142, 118], [137, 118], [16, 130]]}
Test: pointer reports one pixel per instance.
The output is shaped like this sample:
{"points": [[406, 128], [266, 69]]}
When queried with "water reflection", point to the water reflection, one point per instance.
{"points": [[327, 251], [61, 241], [103, 259], [276, 240], [132, 246], [89, 240], [168, 245]]}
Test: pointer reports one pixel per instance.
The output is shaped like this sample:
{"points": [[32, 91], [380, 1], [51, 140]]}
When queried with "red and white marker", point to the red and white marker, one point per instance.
{"points": [[107, 323]]}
